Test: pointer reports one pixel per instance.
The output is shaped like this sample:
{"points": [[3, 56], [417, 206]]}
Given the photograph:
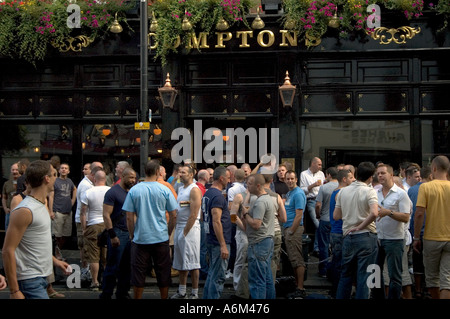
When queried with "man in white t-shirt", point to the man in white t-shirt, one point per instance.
{"points": [[91, 217], [395, 209], [357, 206], [310, 182]]}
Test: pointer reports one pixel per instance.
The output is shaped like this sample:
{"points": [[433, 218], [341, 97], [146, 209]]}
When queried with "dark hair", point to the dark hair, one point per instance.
{"points": [[342, 173], [218, 172], [291, 172], [364, 171], [268, 177], [36, 172], [151, 168], [411, 170], [333, 171], [425, 172]]}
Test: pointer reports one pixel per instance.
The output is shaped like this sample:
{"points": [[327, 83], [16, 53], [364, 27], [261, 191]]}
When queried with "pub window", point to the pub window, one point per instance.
{"points": [[208, 103], [16, 105], [55, 105], [435, 139], [108, 105], [435, 100], [327, 102], [382, 102]]}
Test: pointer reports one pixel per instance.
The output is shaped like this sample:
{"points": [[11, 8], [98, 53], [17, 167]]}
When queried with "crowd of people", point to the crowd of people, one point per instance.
{"points": [[377, 233]]}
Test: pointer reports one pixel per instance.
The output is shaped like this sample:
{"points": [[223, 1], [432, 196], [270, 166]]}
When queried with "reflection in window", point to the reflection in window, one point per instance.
{"points": [[36, 142], [354, 141], [435, 139], [119, 140]]}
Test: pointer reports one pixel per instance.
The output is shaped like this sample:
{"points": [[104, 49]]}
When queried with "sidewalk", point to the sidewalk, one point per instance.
{"points": [[315, 286]]}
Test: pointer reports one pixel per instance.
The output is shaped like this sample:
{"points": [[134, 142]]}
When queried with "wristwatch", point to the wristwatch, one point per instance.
{"points": [[391, 214]]}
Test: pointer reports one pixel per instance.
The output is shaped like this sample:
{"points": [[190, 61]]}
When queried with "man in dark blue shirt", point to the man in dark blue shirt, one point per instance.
{"points": [[216, 216], [118, 258]]}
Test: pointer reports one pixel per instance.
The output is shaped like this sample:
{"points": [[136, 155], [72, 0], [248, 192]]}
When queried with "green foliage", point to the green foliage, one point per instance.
{"points": [[311, 18], [203, 15], [29, 28]]}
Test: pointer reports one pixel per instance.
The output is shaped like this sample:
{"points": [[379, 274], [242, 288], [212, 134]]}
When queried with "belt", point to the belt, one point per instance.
{"points": [[311, 198]]}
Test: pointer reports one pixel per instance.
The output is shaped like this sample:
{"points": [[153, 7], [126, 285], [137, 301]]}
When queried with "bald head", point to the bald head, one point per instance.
{"points": [[100, 178]]}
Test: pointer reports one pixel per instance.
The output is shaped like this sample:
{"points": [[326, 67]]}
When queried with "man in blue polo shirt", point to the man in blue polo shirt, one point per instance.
{"points": [[293, 231], [146, 205]]}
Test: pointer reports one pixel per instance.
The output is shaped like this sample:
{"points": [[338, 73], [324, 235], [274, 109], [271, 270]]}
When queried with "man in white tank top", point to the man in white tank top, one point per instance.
{"points": [[27, 250], [186, 256]]}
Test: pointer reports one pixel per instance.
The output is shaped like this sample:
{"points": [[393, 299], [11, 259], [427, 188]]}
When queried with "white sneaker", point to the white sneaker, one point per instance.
{"points": [[192, 296], [228, 274], [178, 296]]}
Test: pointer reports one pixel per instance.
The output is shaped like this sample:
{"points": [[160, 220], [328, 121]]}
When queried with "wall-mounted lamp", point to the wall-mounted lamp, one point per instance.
{"points": [[167, 94], [287, 91]]}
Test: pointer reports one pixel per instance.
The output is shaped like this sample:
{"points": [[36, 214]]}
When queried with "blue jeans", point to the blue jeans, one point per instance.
{"points": [[260, 279], [358, 252], [117, 268], [216, 275], [203, 251], [323, 241], [311, 209], [391, 251], [34, 288], [336, 261]]}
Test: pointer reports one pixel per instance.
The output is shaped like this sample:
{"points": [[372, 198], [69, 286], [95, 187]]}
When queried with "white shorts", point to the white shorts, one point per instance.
{"points": [[186, 252]]}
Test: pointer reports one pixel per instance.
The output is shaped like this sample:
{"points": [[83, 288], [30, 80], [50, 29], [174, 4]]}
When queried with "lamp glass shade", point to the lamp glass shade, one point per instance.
{"points": [[167, 96], [167, 93], [287, 96], [287, 91]]}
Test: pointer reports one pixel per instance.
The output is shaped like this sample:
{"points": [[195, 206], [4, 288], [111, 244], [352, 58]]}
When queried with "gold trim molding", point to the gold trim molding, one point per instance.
{"points": [[73, 44], [398, 36]]}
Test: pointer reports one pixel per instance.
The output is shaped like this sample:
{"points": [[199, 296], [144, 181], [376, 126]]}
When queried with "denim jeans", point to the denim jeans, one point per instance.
{"points": [[391, 251], [260, 278], [358, 252], [336, 261], [216, 275], [241, 256], [323, 241], [203, 251], [34, 288], [311, 209], [118, 266]]}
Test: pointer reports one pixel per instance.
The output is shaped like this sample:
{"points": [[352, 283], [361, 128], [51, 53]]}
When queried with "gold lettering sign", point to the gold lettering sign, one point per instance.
{"points": [[244, 35], [260, 38], [222, 36]]}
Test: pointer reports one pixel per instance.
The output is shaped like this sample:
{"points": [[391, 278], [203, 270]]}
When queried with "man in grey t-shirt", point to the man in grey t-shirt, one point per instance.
{"points": [[259, 223], [323, 215]]}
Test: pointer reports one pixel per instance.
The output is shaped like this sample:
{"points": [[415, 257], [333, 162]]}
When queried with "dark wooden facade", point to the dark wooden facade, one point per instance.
{"points": [[345, 89]]}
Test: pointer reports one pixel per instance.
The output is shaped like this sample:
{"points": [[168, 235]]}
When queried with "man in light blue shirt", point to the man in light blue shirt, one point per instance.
{"points": [[146, 205], [293, 231]]}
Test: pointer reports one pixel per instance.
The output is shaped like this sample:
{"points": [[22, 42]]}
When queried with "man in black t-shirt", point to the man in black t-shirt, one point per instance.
{"points": [[216, 216], [117, 268]]}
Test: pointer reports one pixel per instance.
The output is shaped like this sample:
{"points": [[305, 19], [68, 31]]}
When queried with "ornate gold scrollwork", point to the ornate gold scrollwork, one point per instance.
{"points": [[398, 36], [73, 44]]}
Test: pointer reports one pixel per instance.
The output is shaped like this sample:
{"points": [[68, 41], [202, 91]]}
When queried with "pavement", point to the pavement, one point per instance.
{"points": [[316, 287]]}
